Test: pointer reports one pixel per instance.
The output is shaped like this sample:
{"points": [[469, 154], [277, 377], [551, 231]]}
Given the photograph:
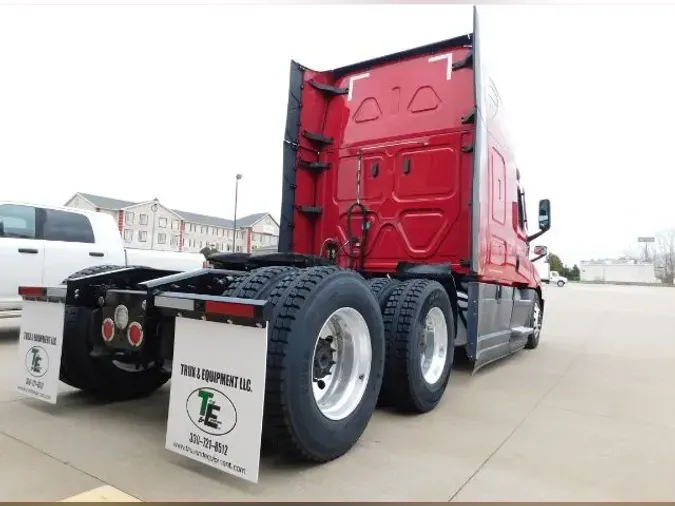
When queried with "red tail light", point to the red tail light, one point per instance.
{"points": [[108, 330], [32, 291], [135, 334], [229, 309]]}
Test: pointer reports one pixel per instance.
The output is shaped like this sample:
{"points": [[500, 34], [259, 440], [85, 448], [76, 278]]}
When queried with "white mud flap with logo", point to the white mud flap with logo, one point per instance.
{"points": [[217, 394], [40, 345]]}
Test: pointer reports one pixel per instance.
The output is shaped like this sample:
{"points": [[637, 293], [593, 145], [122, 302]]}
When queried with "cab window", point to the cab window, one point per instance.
{"points": [[65, 226], [17, 221]]}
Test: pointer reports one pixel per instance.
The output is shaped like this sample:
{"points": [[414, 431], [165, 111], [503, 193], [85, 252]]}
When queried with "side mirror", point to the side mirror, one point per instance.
{"points": [[539, 252], [2, 229], [544, 214], [544, 219]]}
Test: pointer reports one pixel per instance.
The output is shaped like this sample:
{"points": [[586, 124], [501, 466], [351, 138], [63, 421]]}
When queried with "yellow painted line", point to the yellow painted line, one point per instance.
{"points": [[105, 493]]}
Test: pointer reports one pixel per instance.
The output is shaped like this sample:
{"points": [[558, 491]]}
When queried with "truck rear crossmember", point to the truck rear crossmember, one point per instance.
{"points": [[128, 315]]}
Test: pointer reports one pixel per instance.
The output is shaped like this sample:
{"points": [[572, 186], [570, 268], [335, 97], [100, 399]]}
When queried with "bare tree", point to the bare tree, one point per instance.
{"points": [[665, 256]]}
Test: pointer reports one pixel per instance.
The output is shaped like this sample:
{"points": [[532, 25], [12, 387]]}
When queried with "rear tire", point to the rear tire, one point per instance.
{"points": [[415, 381], [100, 377], [561, 284], [300, 425], [258, 283], [69, 374], [382, 288]]}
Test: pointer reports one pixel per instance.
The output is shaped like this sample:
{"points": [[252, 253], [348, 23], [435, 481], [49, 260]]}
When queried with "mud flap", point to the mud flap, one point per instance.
{"points": [[40, 345], [217, 394]]}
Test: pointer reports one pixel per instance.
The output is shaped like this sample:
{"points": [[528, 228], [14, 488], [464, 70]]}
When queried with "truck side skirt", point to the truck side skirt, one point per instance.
{"points": [[495, 316]]}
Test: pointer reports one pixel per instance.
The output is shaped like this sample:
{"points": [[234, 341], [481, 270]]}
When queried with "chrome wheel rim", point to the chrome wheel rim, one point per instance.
{"points": [[536, 321], [341, 363], [434, 344]]}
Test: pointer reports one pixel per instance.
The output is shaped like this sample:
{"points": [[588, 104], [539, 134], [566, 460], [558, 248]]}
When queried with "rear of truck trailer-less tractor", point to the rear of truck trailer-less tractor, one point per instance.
{"points": [[403, 240]]}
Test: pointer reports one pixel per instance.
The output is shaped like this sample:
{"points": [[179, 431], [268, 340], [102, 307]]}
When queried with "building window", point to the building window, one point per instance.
{"points": [[142, 236], [161, 238], [129, 218], [193, 227], [128, 235], [143, 219], [238, 249], [174, 240], [162, 222], [204, 229], [229, 247], [175, 224]]}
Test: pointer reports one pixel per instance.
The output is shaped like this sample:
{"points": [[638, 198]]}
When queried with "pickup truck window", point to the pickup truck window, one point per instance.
{"points": [[67, 227], [17, 221]]}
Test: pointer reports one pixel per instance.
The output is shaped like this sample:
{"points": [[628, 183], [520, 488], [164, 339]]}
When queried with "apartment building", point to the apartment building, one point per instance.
{"points": [[151, 225]]}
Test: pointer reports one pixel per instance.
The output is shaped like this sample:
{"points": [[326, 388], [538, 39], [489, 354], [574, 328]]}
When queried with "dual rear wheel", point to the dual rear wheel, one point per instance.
{"points": [[337, 345]]}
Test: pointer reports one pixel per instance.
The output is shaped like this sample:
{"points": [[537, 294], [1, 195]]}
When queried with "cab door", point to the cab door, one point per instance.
{"points": [[22, 252], [70, 244]]}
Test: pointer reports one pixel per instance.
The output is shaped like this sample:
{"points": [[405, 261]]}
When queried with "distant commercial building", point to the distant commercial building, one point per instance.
{"points": [[612, 271], [151, 225]]}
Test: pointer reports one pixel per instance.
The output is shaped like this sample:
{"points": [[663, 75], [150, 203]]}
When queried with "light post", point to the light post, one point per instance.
{"points": [[153, 208], [236, 192]]}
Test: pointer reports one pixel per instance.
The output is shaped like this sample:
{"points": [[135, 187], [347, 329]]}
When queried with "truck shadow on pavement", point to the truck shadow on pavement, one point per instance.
{"points": [[148, 417], [8, 335]]}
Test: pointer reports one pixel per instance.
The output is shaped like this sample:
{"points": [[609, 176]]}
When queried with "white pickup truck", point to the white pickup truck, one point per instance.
{"points": [[42, 245]]}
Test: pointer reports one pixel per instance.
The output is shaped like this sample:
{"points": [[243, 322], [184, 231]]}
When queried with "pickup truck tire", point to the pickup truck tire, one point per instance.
{"points": [[258, 283], [300, 425], [561, 283], [100, 376], [408, 385]]}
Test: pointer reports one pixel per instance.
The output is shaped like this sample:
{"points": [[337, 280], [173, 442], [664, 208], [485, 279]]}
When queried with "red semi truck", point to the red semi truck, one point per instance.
{"points": [[404, 239]]}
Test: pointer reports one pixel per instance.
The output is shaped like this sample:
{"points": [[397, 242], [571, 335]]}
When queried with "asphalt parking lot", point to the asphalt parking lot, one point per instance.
{"points": [[586, 416]]}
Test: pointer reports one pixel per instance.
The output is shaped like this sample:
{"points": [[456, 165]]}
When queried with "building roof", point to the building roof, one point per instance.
{"points": [[201, 219], [107, 203]]}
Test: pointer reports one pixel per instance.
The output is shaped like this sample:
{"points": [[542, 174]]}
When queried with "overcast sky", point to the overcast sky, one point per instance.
{"points": [[135, 102]]}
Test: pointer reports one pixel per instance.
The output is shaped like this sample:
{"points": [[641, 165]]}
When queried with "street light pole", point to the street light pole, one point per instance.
{"points": [[236, 192], [154, 219]]}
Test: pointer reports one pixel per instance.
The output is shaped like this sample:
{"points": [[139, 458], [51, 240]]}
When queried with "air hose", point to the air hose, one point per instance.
{"points": [[353, 239]]}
